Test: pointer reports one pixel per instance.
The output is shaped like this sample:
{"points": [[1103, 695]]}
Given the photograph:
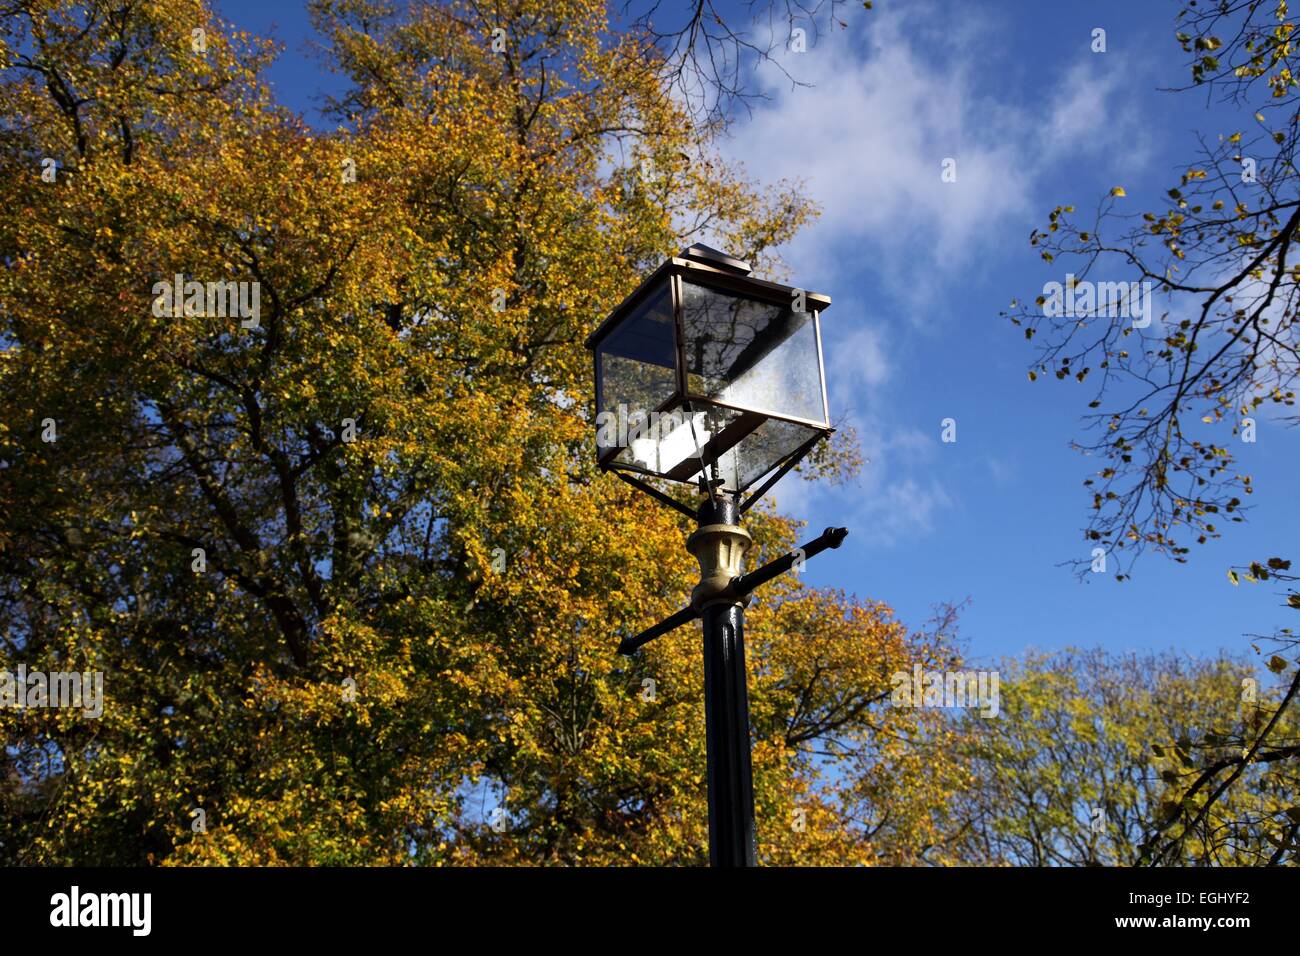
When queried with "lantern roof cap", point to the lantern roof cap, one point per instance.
{"points": [[700, 263], [699, 252]]}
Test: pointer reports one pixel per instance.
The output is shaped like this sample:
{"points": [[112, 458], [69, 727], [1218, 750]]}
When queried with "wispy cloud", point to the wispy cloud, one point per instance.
{"points": [[871, 130], [869, 136], [897, 495]]}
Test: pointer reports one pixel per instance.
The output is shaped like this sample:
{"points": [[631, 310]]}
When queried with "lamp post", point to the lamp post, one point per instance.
{"points": [[710, 377]]}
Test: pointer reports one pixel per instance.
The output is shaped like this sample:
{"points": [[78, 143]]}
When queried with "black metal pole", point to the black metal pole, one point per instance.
{"points": [[719, 599], [726, 715]]}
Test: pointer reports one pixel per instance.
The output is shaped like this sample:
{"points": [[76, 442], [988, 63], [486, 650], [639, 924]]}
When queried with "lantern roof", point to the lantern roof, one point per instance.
{"points": [[705, 264], [699, 252]]}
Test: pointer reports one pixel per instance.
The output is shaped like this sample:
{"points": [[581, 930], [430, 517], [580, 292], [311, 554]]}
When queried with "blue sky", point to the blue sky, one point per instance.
{"points": [[919, 270]]}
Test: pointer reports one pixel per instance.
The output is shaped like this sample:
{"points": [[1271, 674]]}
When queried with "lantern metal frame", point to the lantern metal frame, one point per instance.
{"points": [[717, 272]]}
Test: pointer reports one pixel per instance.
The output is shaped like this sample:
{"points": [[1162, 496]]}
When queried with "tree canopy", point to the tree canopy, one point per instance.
{"points": [[347, 565]]}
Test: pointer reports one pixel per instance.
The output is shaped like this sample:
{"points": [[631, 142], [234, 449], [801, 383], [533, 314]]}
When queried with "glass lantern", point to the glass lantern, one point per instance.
{"points": [[705, 373]]}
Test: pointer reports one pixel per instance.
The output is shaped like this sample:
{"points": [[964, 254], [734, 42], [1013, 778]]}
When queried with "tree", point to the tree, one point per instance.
{"points": [[1261, 752], [1221, 253], [1093, 748], [340, 549], [708, 53]]}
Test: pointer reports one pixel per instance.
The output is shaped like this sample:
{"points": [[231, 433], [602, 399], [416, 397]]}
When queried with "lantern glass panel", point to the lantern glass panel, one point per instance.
{"points": [[751, 354], [759, 451], [668, 443], [636, 361]]}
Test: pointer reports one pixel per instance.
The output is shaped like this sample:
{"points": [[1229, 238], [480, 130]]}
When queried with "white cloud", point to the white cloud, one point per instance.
{"points": [[869, 134], [896, 494], [860, 358], [868, 138]]}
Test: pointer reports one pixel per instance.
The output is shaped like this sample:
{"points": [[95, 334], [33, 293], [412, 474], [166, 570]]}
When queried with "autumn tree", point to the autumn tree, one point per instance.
{"points": [[711, 49], [1091, 749], [345, 559], [1219, 258], [1262, 753], [1190, 337]]}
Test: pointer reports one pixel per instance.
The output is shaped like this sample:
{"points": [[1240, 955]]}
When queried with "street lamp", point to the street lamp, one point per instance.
{"points": [[712, 378], [704, 366]]}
